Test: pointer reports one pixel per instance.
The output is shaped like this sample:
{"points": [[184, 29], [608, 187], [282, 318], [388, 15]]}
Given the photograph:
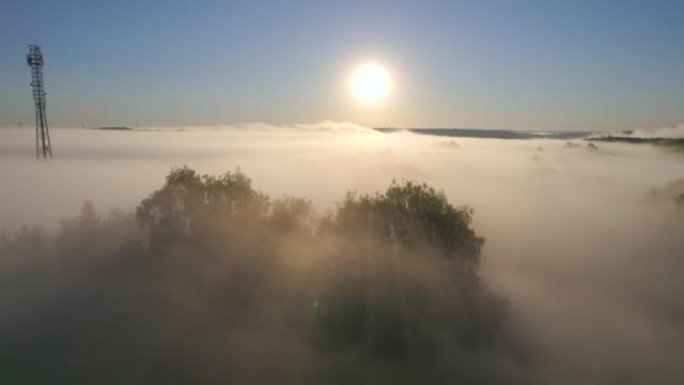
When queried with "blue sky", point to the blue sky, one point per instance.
{"points": [[489, 64]]}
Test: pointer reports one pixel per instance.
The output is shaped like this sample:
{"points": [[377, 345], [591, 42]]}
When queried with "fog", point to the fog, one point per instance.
{"points": [[584, 244], [663, 132]]}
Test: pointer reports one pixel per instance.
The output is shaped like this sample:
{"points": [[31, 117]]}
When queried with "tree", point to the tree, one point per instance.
{"points": [[91, 235], [27, 243], [411, 215], [293, 215], [190, 207], [404, 287]]}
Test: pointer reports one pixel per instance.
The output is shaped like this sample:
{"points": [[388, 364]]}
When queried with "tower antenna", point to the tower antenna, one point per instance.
{"points": [[35, 60]]}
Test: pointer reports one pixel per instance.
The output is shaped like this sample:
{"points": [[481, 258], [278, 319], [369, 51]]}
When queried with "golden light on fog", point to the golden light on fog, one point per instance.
{"points": [[370, 82]]}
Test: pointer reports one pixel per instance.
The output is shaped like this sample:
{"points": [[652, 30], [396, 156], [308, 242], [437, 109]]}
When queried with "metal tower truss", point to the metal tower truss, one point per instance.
{"points": [[35, 60]]}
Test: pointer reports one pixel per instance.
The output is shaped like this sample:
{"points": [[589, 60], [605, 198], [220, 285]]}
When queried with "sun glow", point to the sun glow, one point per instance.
{"points": [[370, 83]]}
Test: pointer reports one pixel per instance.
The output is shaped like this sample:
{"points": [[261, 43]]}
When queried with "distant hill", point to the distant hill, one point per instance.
{"points": [[491, 134], [670, 142], [111, 128]]}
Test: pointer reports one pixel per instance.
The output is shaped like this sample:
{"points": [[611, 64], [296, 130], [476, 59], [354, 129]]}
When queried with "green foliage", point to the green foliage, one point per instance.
{"points": [[190, 206], [412, 215], [405, 272], [674, 143]]}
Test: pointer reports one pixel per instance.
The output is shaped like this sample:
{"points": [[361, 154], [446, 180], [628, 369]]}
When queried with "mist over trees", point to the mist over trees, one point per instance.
{"points": [[212, 281]]}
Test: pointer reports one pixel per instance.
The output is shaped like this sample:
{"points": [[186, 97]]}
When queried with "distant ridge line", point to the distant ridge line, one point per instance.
{"points": [[490, 134], [111, 128]]}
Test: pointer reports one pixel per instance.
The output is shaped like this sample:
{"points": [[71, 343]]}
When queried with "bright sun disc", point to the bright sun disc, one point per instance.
{"points": [[370, 83]]}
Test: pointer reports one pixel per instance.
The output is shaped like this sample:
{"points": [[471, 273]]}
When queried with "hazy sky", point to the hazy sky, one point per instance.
{"points": [[489, 64]]}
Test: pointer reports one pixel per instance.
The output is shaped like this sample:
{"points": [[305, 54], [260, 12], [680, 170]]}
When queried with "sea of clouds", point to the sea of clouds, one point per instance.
{"points": [[589, 258]]}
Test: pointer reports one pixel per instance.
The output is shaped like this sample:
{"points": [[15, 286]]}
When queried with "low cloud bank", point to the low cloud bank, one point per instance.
{"points": [[584, 244]]}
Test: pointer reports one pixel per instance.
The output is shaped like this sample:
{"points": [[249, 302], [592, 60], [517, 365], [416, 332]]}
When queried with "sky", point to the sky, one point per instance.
{"points": [[548, 65]]}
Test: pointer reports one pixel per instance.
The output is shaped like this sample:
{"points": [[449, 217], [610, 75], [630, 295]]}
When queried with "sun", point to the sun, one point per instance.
{"points": [[370, 83]]}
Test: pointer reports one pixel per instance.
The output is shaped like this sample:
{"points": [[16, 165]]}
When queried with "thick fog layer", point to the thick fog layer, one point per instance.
{"points": [[585, 243], [322, 162]]}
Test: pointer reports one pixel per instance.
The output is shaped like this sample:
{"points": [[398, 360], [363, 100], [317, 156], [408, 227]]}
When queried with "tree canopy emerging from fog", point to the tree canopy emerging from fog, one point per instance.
{"points": [[232, 284], [406, 215], [412, 214], [190, 206]]}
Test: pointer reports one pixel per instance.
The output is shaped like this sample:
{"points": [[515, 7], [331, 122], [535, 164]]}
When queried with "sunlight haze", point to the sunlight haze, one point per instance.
{"points": [[361, 192]]}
